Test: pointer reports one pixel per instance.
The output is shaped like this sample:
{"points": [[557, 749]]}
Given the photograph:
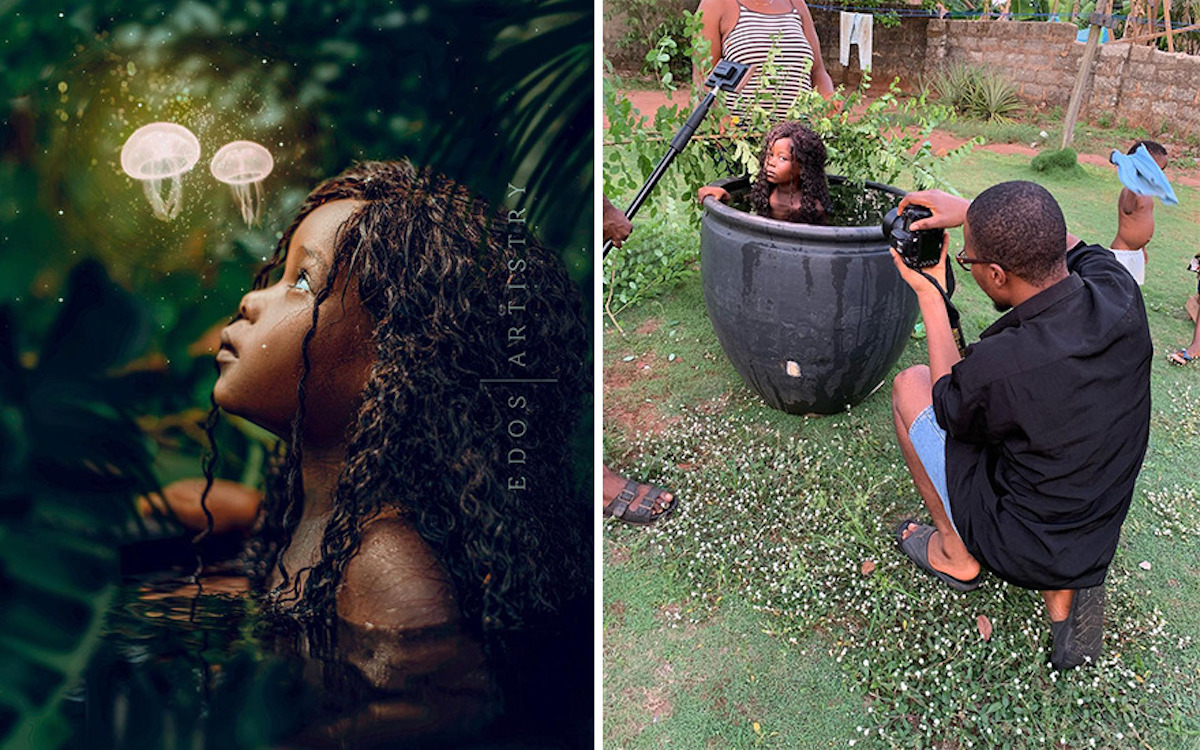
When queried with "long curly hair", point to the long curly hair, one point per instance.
{"points": [[809, 156], [465, 424]]}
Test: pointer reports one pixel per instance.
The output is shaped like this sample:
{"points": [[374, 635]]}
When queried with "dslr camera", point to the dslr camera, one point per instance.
{"points": [[918, 249]]}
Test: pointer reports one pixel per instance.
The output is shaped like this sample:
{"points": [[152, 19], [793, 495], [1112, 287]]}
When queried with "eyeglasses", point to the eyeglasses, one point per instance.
{"points": [[966, 262]]}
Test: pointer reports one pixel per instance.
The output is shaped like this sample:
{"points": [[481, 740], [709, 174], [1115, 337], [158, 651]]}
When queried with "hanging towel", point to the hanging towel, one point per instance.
{"points": [[856, 28], [1141, 174]]}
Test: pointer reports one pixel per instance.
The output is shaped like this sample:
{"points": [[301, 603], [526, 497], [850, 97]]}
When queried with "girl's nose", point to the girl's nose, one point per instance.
{"points": [[251, 305]]}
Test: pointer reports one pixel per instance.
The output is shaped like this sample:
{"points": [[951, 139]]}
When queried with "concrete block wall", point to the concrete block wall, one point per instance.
{"points": [[1137, 84], [898, 51]]}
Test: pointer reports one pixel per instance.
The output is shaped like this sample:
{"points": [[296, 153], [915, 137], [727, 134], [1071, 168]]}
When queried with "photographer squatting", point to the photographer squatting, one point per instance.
{"points": [[1025, 450]]}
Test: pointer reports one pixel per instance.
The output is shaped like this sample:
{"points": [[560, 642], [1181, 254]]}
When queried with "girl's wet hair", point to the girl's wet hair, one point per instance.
{"points": [[808, 155], [458, 295]]}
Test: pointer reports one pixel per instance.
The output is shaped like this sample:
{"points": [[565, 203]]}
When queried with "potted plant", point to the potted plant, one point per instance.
{"points": [[812, 317]]}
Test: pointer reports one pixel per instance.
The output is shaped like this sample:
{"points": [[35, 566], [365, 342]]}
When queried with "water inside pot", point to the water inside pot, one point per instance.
{"points": [[853, 205]]}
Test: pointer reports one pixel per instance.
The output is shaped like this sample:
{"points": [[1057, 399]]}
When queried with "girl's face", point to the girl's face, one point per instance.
{"points": [[260, 359], [780, 168]]}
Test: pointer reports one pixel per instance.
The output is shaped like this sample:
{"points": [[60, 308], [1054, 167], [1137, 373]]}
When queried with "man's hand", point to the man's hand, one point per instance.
{"points": [[948, 210], [714, 191], [616, 226], [913, 277]]}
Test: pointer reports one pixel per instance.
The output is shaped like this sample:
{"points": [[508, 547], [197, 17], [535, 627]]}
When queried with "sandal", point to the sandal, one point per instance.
{"points": [[640, 513], [1180, 357], [916, 548]]}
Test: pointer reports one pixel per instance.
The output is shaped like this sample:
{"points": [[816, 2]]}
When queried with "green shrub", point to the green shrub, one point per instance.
{"points": [[661, 252], [1059, 160], [954, 85], [995, 98], [654, 27], [977, 92]]}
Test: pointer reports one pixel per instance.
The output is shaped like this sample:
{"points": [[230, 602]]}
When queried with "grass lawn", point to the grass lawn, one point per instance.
{"points": [[773, 609]]}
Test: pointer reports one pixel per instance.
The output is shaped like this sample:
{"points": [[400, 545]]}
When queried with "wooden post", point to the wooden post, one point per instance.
{"points": [[1081, 80], [1053, 9], [1167, 18], [1074, 11]]}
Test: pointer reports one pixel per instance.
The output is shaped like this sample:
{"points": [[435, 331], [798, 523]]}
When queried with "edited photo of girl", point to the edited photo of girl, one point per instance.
{"points": [[295, 376]]}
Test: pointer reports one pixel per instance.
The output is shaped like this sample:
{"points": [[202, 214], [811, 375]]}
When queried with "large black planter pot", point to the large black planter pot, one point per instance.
{"points": [[812, 317]]}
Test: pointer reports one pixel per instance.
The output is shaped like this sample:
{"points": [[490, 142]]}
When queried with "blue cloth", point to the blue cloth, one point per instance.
{"points": [[1141, 174], [1082, 35], [929, 441]]}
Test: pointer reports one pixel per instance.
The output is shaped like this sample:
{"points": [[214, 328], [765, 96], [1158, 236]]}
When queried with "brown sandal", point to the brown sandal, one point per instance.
{"points": [[623, 506]]}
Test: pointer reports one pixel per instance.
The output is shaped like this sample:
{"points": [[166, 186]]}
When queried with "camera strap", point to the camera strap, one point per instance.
{"points": [[951, 310]]}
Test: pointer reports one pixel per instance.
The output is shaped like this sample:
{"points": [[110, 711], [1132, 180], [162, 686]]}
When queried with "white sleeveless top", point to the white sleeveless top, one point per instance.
{"points": [[749, 42]]}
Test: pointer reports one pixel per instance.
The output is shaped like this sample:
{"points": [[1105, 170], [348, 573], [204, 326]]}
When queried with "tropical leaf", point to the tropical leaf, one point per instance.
{"points": [[535, 110], [71, 464]]}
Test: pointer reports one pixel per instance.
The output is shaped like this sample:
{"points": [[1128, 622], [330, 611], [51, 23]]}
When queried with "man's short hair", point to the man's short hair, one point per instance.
{"points": [[1155, 148], [1019, 225]]}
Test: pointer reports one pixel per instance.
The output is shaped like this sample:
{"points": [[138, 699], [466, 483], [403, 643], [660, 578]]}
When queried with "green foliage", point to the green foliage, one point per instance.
{"points": [[71, 461], [661, 252], [977, 92], [995, 98], [652, 26], [1055, 160]]}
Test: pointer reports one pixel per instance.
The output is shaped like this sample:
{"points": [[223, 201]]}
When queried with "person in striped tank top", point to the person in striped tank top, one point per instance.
{"points": [[744, 31]]}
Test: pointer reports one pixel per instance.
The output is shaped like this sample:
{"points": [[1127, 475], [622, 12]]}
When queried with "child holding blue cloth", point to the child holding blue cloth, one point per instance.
{"points": [[1141, 173]]}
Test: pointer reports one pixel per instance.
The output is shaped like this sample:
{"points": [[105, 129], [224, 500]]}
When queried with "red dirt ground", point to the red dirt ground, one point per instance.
{"points": [[631, 417]]}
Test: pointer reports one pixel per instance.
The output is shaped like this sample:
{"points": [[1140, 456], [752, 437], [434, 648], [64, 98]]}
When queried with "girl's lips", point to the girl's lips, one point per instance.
{"points": [[226, 355]]}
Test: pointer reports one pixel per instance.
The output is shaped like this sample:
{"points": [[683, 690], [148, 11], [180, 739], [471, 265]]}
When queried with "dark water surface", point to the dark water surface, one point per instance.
{"points": [[181, 670]]}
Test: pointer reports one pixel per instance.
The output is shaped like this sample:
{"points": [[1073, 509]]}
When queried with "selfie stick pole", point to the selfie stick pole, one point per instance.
{"points": [[726, 75]]}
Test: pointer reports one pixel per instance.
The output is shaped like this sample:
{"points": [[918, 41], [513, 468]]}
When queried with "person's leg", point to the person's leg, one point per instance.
{"points": [[614, 484], [912, 391], [1192, 350], [1058, 603]]}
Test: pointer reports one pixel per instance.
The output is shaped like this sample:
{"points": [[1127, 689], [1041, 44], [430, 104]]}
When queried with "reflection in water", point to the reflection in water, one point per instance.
{"points": [[180, 671]]}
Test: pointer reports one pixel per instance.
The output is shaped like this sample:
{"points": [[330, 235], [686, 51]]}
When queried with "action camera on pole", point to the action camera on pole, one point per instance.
{"points": [[725, 76]]}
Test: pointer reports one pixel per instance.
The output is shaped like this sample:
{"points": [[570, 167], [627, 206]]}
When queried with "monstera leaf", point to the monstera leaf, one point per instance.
{"points": [[71, 460]]}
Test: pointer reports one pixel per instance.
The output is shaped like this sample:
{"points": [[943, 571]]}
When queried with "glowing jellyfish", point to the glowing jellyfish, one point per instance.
{"points": [[243, 165], [158, 154]]}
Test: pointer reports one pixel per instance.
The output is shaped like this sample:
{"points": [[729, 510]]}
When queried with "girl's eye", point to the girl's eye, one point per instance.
{"points": [[302, 282]]}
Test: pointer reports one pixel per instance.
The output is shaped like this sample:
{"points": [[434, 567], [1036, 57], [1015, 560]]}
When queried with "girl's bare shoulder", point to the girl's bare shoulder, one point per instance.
{"points": [[395, 580]]}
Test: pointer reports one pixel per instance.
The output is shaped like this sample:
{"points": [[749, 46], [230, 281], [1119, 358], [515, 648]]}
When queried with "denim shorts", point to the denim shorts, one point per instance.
{"points": [[929, 440]]}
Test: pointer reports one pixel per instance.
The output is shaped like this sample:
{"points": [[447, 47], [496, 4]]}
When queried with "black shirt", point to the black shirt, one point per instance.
{"points": [[1047, 419]]}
